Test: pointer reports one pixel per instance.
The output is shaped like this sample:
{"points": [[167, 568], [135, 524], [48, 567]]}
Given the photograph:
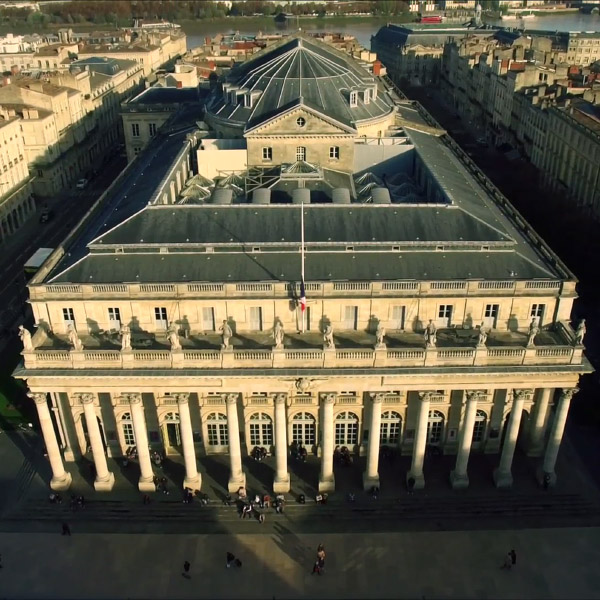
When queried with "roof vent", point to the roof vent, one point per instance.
{"points": [[340, 196], [222, 196], [301, 196], [381, 195], [261, 196]]}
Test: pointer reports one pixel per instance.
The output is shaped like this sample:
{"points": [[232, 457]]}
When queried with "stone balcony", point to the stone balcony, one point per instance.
{"points": [[353, 349]]}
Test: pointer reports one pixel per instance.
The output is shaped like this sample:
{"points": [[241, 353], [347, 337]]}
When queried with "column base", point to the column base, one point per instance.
{"points": [[194, 483], [459, 481], [419, 480], [61, 484], [282, 486], [106, 484], [542, 475], [503, 479], [327, 484], [146, 485], [236, 483], [370, 482]]}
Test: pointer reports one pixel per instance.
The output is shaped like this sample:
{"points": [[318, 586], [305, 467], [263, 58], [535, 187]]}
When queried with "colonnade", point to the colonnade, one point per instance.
{"points": [[104, 479]]}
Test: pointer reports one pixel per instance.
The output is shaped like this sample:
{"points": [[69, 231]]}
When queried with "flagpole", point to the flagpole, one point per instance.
{"points": [[302, 256]]}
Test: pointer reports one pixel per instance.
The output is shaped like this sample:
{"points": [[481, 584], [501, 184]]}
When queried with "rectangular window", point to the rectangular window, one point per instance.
{"points": [[152, 129], [350, 317], [300, 153], [367, 96], [490, 315], [255, 318], [353, 98], [538, 310], [136, 150], [114, 318], [208, 318], [334, 152], [160, 317], [217, 434], [128, 435], [68, 316], [445, 315], [267, 153], [40, 173], [398, 313], [135, 129]]}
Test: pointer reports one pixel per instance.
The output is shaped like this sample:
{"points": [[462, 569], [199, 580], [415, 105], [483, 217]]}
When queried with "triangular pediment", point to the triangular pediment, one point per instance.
{"points": [[286, 123]]}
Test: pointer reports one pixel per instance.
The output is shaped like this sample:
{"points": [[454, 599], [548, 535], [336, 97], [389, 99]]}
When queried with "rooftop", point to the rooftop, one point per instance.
{"points": [[166, 95]]}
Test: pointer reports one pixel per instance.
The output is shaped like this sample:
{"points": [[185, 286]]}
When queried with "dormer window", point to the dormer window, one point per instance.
{"points": [[233, 97], [353, 98], [367, 96], [374, 93], [247, 100]]}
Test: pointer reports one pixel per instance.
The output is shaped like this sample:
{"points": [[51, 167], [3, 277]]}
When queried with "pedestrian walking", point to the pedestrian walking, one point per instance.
{"points": [[411, 485], [237, 562], [513, 558], [186, 570], [507, 564], [261, 518], [66, 530], [230, 559]]}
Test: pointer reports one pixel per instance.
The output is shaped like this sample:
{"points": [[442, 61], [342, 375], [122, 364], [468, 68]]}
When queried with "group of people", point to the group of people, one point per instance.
{"points": [[298, 452], [77, 502], [342, 456], [259, 453]]}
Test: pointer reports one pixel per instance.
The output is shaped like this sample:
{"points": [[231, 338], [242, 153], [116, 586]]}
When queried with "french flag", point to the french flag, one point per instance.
{"points": [[302, 297]]}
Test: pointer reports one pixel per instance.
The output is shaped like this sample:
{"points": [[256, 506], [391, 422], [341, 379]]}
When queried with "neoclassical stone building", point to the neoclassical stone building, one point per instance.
{"points": [[434, 315]]}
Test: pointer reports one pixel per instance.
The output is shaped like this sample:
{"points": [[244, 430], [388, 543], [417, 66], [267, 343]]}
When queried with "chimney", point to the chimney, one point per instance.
{"points": [[179, 84], [377, 68]]}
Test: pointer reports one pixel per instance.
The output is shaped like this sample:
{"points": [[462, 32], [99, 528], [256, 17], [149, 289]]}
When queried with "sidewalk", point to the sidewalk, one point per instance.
{"points": [[550, 564]]}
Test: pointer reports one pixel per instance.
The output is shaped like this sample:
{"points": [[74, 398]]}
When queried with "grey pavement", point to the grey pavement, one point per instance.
{"points": [[555, 563]]}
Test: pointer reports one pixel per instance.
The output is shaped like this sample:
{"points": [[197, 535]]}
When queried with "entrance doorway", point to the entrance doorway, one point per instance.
{"points": [[171, 433]]}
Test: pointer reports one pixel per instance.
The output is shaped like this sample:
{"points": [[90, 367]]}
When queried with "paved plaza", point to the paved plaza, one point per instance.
{"points": [[556, 563]]}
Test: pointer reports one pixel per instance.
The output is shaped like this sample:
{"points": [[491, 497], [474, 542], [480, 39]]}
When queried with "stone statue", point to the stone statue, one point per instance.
{"points": [[25, 338], [226, 335], [125, 337], [328, 337], [278, 335], [430, 335], [74, 338], [379, 335], [579, 334], [534, 329], [173, 336], [483, 336]]}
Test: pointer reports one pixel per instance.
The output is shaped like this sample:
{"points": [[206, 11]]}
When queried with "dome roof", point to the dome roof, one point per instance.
{"points": [[300, 70]]}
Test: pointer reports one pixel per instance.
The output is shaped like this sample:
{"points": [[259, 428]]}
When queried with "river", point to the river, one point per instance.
{"points": [[363, 28]]}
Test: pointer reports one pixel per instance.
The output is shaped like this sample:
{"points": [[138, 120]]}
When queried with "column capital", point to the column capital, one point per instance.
{"points": [[132, 397], [377, 398], [568, 393], [474, 395], [425, 396], [85, 398], [329, 398], [280, 398], [231, 398], [38, 397], [182, 397], [522, 394]]}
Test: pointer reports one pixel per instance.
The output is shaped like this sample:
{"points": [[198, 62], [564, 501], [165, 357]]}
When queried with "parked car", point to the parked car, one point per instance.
{"points": [[46, 215], [82, 184]]}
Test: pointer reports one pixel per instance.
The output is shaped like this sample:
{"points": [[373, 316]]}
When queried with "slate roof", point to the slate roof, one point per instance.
{"points": [[393, 37], [300, 69]]}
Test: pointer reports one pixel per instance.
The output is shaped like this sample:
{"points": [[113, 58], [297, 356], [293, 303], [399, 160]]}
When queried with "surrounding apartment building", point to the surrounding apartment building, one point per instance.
{"points": [[16, 201]]}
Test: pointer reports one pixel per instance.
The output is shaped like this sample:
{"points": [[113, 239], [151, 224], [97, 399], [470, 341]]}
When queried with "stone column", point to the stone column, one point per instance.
{"points": [[146, 482], [371, 475], [459, 477], [237, 477], [282, 477], [556, 434], [105, 480], [61, 480], [326, 478], [416, 469], [503, 475], [192, 477], [536, 434]]}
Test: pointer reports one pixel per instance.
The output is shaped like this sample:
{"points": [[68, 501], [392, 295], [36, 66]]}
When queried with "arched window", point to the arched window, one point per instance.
{"points": [[216, 425], [261, 430], [391, 425], [301, 153], [127, 428], [479, 427], [435, 427], [304, 429], [346, 429]]}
